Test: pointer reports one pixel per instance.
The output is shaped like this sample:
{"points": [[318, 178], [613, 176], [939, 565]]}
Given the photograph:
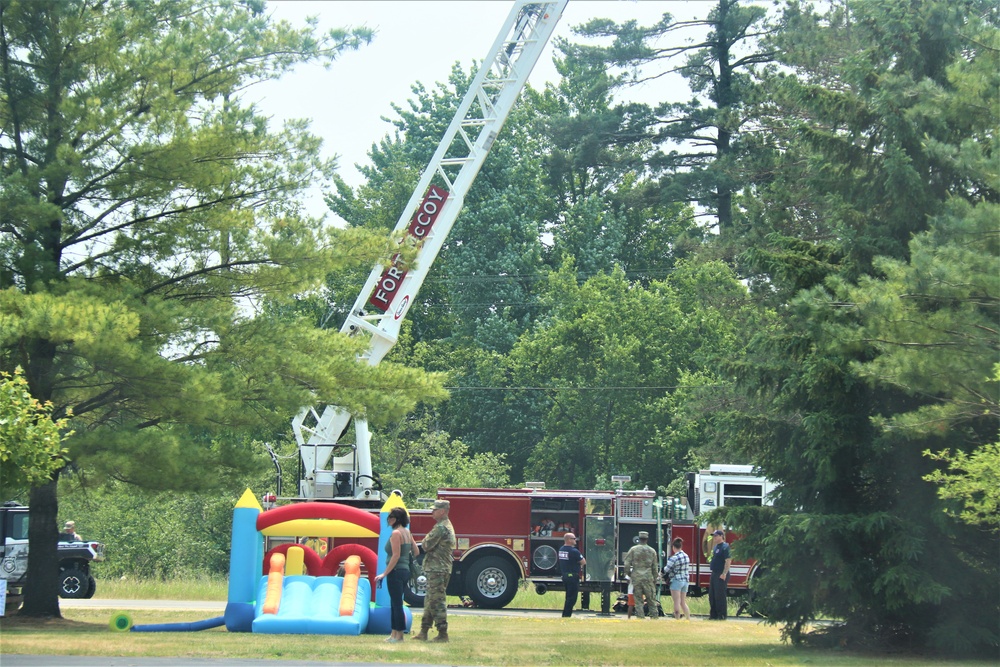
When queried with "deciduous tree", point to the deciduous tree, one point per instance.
{"points": [[30, 440]]}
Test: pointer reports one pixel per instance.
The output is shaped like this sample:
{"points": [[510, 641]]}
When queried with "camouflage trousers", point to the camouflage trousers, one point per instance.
{"points": [[646, 587], [435, 602]]}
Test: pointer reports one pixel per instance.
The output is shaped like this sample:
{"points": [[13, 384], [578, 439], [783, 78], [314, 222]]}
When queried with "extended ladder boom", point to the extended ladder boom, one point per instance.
{"points": [[427, 219]]}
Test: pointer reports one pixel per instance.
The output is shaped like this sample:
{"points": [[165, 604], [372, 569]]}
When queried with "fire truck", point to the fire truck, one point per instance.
{"points": [[509, 536], [505, 536]]}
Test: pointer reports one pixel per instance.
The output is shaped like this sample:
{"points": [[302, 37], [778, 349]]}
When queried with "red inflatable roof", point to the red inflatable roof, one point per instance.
{"points": [[318, 511]]}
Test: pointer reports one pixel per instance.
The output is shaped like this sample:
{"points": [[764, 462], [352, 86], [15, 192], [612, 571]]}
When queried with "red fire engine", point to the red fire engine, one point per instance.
{"points": [[510, 535]]}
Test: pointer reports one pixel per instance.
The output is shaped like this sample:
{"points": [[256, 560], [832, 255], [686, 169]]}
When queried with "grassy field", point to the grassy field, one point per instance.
{"points": [[207, 589], [476, 640], [190, 588]]}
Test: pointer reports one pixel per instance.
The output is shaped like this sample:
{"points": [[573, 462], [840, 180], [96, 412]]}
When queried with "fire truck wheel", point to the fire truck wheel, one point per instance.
{"points": [[752, 604], [491, 582], [415, 591]]}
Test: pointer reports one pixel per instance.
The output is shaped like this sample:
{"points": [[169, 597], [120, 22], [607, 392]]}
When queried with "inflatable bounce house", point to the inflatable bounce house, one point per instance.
{"points": [[291, 589]]}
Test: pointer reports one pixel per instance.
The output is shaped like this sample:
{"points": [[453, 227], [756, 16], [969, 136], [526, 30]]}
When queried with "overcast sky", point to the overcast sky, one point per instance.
{"points": [[415, 40]]}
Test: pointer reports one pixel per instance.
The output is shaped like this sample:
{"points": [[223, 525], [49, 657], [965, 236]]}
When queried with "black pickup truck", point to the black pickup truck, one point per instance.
{"points": [[75, 580]]}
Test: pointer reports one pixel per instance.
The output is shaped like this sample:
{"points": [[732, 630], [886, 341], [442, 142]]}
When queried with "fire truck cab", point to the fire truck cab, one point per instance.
{"points": [[723, 485]]}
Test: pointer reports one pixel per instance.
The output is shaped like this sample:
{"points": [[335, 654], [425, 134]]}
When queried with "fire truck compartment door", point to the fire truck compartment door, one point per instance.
{"points": [[599, 547]]}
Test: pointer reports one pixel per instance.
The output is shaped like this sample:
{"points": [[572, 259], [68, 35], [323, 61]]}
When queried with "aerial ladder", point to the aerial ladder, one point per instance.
{"points": [[330, 467]]}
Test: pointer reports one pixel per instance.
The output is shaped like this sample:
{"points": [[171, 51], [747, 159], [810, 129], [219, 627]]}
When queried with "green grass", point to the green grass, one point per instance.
{"points": [[499, 641], [198, 587], [476, 640], [203, 588]]}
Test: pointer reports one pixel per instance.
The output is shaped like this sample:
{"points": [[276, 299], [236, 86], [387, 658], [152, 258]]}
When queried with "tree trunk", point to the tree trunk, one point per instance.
{"points": [[41, 591], [725, 101]]}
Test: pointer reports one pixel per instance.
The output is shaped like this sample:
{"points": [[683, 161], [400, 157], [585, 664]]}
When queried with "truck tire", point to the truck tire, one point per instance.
{"points": [[92, 586], [415, 592], [750, 603], [491, 582], [73, 583]]}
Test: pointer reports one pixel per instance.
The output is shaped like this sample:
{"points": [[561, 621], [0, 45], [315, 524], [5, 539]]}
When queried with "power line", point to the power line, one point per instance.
{"points": [[511, 277], [594, 388]]}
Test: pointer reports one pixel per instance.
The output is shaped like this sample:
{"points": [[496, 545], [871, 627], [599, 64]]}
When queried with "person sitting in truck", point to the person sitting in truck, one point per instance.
{"points": [[69, 533]]}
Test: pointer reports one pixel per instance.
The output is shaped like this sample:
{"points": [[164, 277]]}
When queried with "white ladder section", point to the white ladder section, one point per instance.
{"points": [[333, 469]]}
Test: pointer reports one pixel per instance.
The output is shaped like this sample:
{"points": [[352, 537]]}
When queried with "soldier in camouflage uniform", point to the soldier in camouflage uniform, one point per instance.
{"points": [[439, 545], [641, 566]]}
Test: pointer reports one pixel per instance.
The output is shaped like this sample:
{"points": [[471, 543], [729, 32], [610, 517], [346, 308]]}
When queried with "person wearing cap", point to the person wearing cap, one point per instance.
{"points": [[641, 566], [570, 563], [439, 547], [719, 581], [69, 533]]}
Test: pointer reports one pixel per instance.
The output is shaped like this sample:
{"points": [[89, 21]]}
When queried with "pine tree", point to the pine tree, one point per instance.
{"points": [[878, 231], [147, 212], [699, 140]]}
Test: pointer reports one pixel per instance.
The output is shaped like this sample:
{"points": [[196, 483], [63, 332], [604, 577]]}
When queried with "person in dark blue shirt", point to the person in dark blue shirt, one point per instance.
{"points": [[570, 563], [719, 582]]}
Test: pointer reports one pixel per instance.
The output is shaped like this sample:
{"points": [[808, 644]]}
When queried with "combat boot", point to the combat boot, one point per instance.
{"points": [[422, 637], [442, 635]]}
